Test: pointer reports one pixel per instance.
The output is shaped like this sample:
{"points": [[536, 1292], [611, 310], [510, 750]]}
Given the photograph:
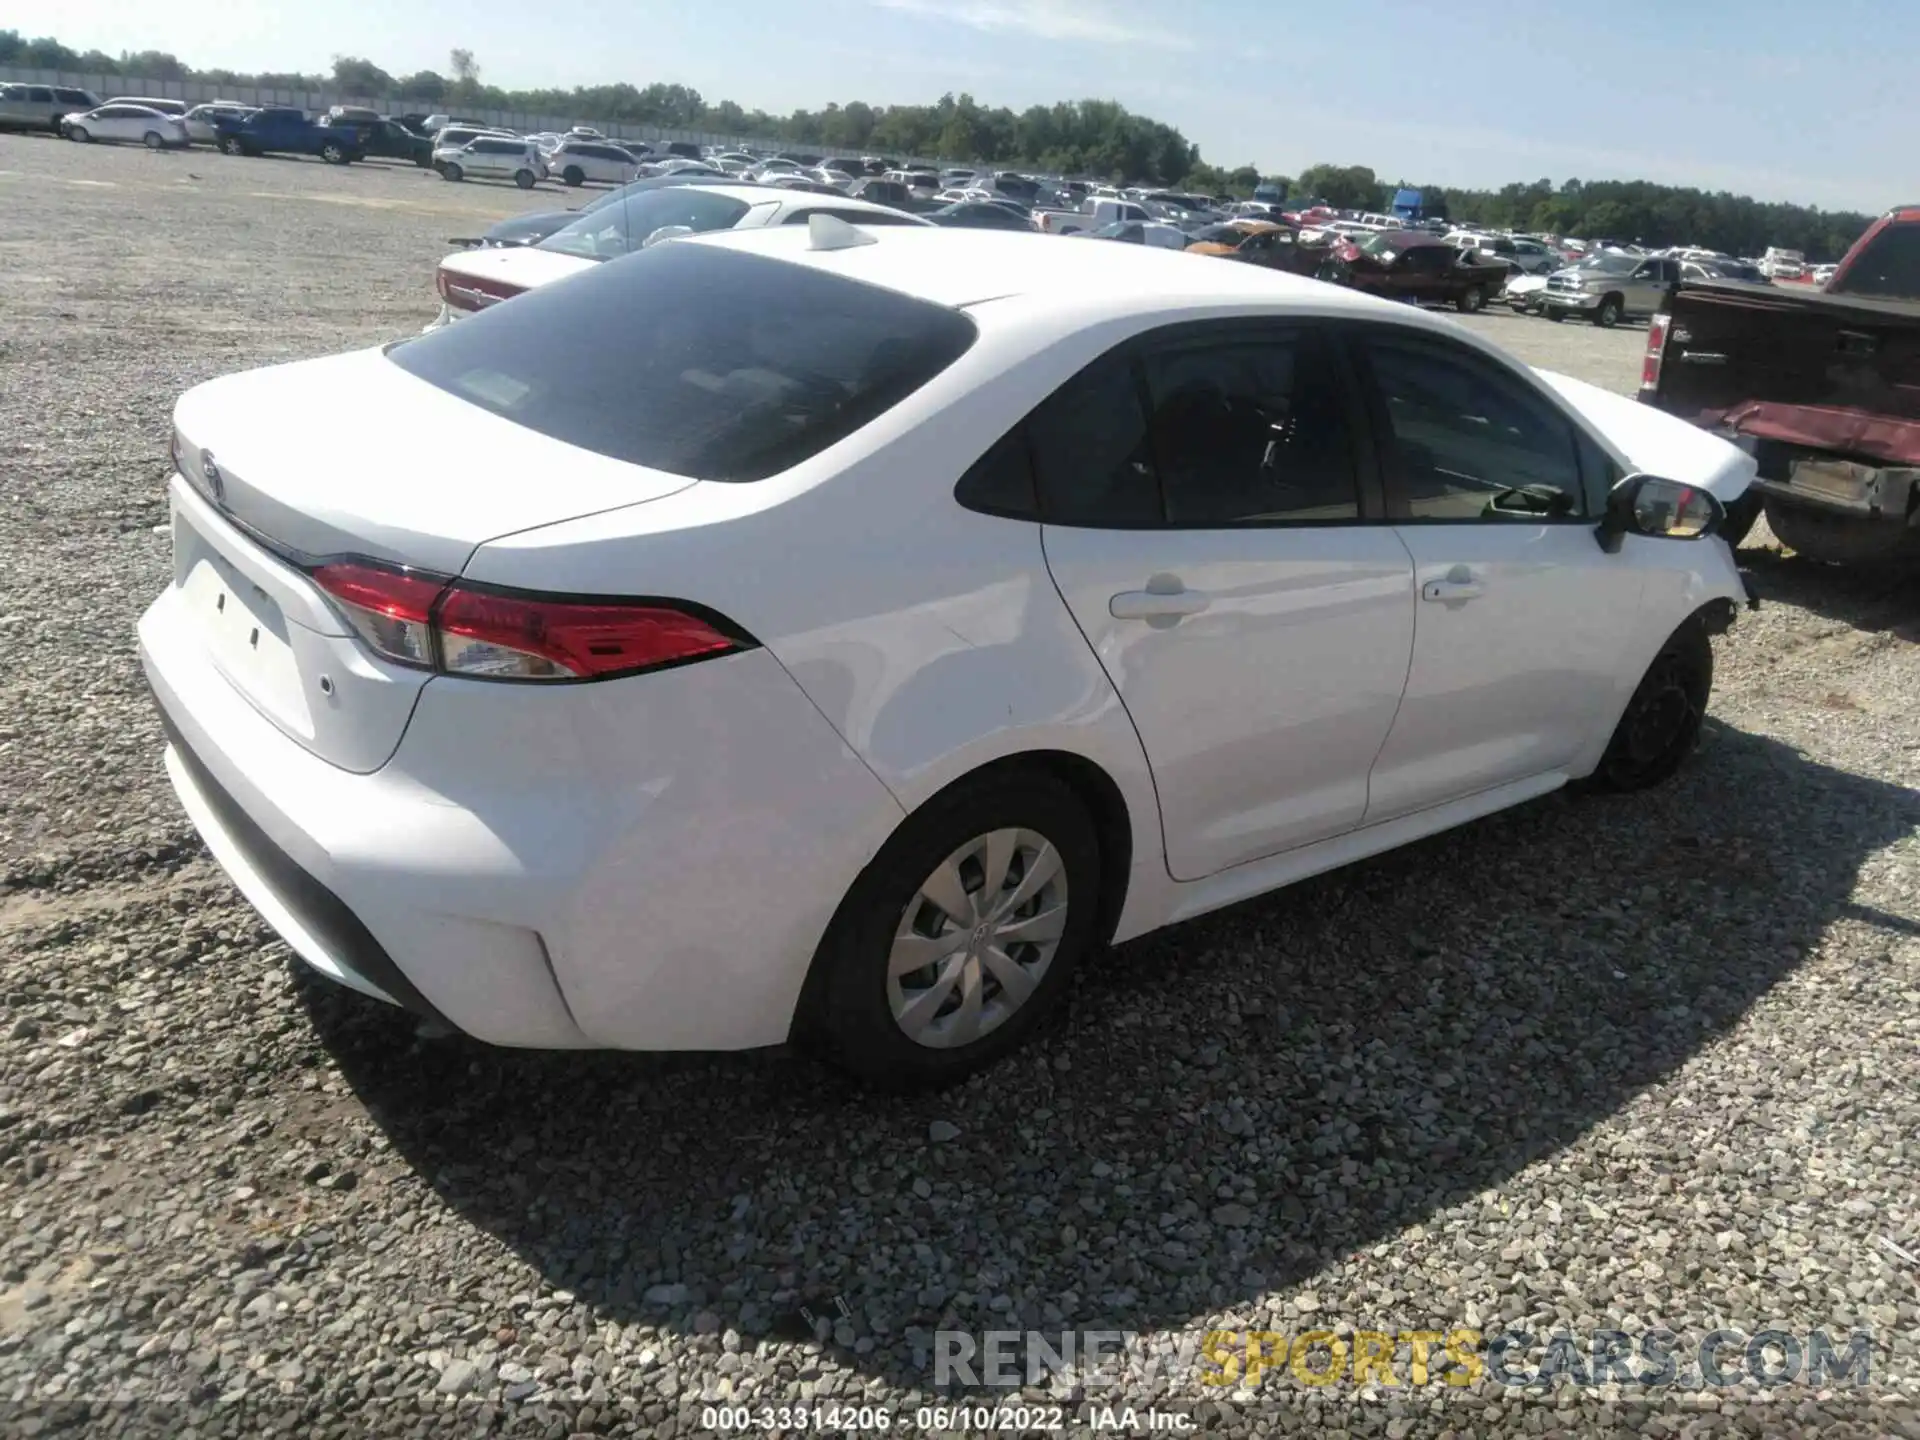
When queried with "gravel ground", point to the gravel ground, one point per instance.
{"points": [[1636, 1064]]}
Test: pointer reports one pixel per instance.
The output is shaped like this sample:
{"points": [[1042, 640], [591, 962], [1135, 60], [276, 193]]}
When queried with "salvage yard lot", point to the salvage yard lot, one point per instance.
{"points": [[1592, 1064]]}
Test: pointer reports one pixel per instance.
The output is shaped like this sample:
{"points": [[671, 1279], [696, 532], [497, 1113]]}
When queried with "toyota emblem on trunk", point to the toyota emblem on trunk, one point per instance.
{"points": [[210, 472]]}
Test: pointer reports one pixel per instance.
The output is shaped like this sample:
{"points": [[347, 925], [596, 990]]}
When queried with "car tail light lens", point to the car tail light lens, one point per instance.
{"points": [[431, 622], [1656, 351], [469, 292], [390, 610]]}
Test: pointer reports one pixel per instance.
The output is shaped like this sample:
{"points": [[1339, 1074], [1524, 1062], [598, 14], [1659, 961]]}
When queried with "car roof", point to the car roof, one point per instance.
{"points": [[1091, 279]]}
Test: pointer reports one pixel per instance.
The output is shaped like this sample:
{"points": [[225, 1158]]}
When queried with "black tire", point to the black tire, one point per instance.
{"points": [[232, 146], [1740, 517], [1608, 315], [524, 179], [333, 153], [573, 176], [154, 140], [78, 133], [847, 1018], [1661, 724], [1839, 539], [451, 171], [1469, 302], [1556, 316]]}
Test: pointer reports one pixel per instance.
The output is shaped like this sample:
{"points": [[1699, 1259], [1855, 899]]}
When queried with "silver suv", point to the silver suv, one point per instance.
{"points": [[39, 107], [1607, 289]]}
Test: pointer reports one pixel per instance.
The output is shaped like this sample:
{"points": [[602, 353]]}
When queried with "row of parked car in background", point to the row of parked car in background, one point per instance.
{"points": [[1412, 258]]}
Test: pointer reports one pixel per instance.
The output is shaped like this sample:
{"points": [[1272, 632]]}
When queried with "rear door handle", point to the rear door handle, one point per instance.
{"points": [[1165, 598]]}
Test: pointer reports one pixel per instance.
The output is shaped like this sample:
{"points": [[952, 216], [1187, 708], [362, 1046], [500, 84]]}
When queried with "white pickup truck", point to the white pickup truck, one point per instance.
{"points": [[1091, 215]]}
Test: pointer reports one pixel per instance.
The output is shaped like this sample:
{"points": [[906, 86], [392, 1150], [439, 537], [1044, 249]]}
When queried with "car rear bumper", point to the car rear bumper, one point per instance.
{"points": [[646, 863]]}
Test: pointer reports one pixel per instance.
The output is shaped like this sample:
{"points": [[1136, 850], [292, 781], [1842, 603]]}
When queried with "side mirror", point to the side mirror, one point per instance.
{"points": [[1662, 509]]}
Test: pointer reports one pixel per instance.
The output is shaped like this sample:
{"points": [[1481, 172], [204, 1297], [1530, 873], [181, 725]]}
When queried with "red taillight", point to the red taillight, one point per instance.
{"points": [[469, 292], [431, 622], [519, 637], [1656, 351]]}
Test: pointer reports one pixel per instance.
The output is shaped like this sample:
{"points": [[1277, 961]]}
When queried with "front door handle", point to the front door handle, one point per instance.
{"points": [[1458, 584], [1165, 598]]}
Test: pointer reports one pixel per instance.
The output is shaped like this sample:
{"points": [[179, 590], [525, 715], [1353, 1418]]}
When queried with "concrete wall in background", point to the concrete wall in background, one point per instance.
{"points": [[195, 92]]}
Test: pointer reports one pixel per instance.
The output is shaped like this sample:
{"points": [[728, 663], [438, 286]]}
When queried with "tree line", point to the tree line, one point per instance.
{"points": [[1097, 139]]}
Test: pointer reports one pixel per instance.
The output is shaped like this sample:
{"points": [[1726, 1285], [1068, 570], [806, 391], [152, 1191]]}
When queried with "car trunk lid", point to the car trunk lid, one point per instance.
{"points": [[350, 456]]}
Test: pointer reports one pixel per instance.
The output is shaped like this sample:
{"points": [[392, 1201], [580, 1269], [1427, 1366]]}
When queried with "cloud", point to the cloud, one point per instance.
{"points": [[1073, 20]]}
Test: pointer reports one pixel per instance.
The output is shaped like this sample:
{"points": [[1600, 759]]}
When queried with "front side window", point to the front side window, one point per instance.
{"points": [[1250, 433], [1469, 443], [694, 359]]}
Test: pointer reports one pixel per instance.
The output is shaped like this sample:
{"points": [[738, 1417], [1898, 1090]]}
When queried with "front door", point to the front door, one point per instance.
{"points": [[1522, 618], [1205, 524]]}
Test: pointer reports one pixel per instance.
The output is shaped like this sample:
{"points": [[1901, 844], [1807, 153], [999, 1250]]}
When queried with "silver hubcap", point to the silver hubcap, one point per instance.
{"points": [[976, 939]]}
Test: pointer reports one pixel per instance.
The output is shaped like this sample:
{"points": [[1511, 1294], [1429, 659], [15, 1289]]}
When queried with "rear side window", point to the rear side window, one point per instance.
{"points": [[695, 360], [1250, 432], [1089, 448], [1889, 268]]}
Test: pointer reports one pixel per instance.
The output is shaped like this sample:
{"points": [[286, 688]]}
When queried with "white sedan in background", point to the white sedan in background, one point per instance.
{"points": [[839, 634], [132, 124], [471, 280]]}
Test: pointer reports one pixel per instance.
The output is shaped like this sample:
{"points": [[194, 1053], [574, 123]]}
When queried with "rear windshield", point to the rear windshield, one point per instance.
{"points": [[693, 359], [615, 230], [1889, 268]]}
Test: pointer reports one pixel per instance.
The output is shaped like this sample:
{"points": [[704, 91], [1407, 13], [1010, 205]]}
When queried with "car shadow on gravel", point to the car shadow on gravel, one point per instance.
{"points": [[1873, 600], [1228, 1107]]}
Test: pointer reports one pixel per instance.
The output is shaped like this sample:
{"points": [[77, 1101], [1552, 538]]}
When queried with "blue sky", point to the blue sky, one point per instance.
{"points": [[1784, 101]]}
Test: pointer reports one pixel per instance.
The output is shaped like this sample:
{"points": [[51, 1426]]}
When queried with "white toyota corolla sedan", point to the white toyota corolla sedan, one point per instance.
{"points": [[838, 636]]}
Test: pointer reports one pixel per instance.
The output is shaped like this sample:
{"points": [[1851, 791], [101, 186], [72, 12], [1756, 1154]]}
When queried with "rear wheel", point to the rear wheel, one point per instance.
{"points": [[1470, 301], [955, 942], [1662, 721], [573, 175], [153, 140], [231, 145], [523, 178], [1608, 315]]}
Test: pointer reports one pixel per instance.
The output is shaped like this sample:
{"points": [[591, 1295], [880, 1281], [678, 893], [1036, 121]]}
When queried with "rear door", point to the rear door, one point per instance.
{"points": [[1522, 619], [1210, 519]]}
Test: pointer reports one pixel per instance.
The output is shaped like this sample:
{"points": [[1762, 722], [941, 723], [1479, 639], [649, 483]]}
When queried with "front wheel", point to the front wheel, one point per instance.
{"points": [[573, 176], [523, 178], [1556, 316], [153, 141], [451, 171], [79, 135], [955, 942], [1608, 315], [1662, 721], [333, 153]]}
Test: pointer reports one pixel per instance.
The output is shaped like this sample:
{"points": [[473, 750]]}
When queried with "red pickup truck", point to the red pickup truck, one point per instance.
{"points": [[1821, 386]]}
